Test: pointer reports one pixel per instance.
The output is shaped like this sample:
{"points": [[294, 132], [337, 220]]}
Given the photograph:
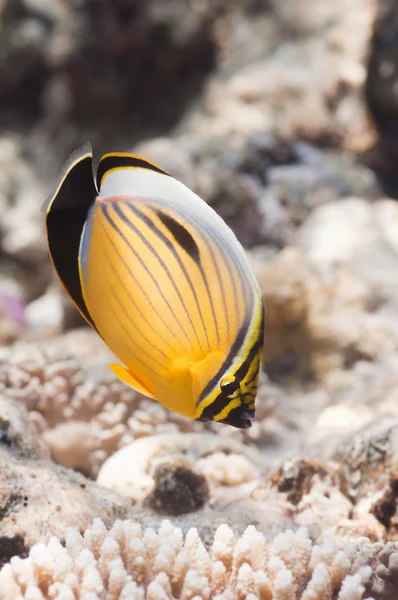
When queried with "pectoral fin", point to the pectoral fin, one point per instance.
{"points": [[127, 377], [204, 370]]}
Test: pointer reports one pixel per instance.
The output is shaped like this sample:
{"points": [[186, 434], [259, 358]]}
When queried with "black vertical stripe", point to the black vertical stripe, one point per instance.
{"points": [[209, 233], [187, 242], [221, 400], [181, 235], [245, 366], [239, 340]]}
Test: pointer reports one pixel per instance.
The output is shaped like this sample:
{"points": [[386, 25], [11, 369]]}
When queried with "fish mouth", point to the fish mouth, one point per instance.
{"points": [[240, 420], [244, 424], [236, 418]]}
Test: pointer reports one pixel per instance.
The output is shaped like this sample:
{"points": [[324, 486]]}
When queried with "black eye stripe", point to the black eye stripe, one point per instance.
{"points": [[230, 388]]}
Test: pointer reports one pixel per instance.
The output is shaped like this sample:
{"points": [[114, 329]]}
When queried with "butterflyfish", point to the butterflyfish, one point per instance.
{"points": [[164, 282]]}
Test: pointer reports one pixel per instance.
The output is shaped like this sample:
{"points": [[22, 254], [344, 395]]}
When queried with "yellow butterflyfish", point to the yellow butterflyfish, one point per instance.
{"points": [[164, 282]]}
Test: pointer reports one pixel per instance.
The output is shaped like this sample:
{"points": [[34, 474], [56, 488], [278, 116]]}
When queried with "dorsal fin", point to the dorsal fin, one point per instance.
{"points": [[77, 156], [115, 161], [121, 174], [66, 214]]}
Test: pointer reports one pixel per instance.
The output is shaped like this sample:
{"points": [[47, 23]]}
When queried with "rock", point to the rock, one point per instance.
{"points": [[60, 496], [177, 490], [39, 499]]}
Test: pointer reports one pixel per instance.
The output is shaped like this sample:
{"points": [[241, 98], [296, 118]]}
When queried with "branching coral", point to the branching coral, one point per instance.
{"points": [[85, 414], [131, 563]]}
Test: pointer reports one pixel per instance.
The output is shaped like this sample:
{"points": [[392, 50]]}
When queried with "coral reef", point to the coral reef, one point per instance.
{"points": [[37, 497], [128, 562], [260, 106], [83, 414]]}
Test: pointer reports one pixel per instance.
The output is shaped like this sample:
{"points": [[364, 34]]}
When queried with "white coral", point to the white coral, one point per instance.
{"points": [[128, 563]]}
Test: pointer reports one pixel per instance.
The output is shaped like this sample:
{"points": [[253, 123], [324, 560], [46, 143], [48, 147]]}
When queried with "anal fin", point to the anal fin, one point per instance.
{"points": [[127, 377]]}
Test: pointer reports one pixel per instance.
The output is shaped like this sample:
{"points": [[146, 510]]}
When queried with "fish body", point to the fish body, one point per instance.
{"points": [[165, 283]]}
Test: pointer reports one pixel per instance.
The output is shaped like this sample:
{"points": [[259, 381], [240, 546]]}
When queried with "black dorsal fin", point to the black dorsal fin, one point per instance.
{"points": [[123, 160], [66, 214]]}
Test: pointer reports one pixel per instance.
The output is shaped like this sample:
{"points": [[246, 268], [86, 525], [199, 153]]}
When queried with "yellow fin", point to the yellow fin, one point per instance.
{"points": [[179, 398], [203, 370], [127, 377]]}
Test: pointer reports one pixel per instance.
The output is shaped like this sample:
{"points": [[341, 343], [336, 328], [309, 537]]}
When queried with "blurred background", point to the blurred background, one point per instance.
{"points": [[267, 108], [282, 114]]}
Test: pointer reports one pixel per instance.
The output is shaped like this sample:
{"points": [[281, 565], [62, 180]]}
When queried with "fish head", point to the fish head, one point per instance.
{"points": [[232, 399]]}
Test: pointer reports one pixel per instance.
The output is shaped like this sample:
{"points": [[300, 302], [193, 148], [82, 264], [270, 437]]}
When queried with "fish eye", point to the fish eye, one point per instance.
{"points": [[229, 385]]}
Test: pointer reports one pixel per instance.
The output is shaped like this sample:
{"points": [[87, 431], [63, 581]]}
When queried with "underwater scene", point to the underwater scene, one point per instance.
{"points": [[198, 300]]}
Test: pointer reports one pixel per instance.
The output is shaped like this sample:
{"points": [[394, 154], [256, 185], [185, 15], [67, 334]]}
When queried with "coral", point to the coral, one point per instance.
{"points": [[58, 47], [37, 497], [321, 320], [263, 96], [384, 585], [129, 562], [367, 240], [234, 142], [295, 477], [229, 469], [82, 412], [262, 185], [370, 459], [204, 453], [11, 314], [266, 96]]}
